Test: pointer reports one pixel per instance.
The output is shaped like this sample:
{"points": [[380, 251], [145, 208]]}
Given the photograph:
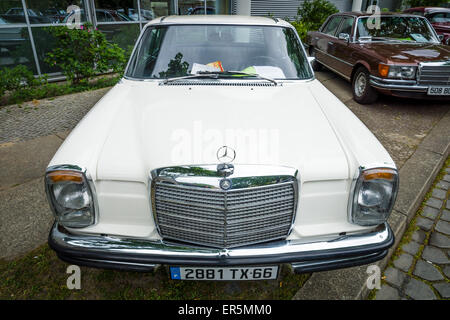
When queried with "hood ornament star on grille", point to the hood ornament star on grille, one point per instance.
{"points": [[225, 155]]}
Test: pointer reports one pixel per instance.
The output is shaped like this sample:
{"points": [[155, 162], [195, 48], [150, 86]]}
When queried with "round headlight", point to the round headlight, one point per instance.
{"points": [[373, 196], [402, 72], [70, 197]]}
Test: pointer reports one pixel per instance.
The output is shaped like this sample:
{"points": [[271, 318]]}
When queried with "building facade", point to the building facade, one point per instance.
{"points": [[24, 36]]}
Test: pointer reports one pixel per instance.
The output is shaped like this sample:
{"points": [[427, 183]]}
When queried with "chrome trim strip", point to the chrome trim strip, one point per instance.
{"points": [[334, 70], [159, 249], [343, 61]]}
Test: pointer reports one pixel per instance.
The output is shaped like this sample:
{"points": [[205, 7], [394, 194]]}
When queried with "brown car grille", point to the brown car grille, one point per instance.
{"points": [[434, 75], [224, 219]]}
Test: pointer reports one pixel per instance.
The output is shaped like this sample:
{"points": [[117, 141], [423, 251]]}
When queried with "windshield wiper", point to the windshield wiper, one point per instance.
{"points": [[217, 74]]}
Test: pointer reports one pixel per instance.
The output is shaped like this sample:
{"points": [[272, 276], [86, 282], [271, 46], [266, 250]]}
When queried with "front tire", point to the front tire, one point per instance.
{"points": [[362, 90]]}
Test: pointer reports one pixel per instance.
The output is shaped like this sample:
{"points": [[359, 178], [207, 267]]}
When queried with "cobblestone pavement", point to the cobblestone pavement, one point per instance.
{"points": [[44, 117], [420, 269]]}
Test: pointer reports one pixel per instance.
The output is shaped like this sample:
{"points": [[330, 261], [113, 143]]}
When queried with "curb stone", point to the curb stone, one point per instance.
{"points": [[416, 177]]}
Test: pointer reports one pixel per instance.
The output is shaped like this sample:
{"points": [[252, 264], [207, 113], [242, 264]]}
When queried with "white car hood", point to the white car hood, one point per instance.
{"points": [[166, 125]]}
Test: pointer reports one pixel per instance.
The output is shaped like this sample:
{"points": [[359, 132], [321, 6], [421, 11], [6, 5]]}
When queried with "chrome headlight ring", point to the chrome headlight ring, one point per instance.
{"points": [[373, 195], [71, 195]]}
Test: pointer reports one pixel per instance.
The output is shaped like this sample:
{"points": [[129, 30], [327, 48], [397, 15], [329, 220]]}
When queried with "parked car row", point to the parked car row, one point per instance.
{"points": [[396, 54]]}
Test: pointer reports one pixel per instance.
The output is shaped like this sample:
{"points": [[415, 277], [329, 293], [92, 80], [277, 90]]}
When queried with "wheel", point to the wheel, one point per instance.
{"points": [[362, 90], [315, 64]]}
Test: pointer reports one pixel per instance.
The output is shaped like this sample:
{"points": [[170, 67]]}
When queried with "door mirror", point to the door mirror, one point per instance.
{"points": [[344, 36], [311, 59], [441, 37]]}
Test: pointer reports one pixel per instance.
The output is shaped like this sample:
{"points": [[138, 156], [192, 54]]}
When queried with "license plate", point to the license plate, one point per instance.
{"points": [[229, 273], [439, 91]]}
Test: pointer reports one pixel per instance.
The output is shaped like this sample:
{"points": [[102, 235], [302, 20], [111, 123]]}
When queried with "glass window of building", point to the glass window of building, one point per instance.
{"points": [[11, 11], [53, 12], [116, 11], [191, 7], [124, 35], [154, 9], [15, 48]]}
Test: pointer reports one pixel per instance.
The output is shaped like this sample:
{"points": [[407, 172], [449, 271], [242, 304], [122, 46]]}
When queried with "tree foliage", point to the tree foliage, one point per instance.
{"points": [[84, 53], [313, 13], [12, 79]]}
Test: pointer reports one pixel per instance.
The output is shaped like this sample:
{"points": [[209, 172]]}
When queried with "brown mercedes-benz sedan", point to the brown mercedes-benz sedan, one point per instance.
{"points": [[393, 54]]}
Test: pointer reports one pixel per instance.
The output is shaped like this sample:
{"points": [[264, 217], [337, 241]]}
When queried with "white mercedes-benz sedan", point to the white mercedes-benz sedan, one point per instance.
{"points": [[220, 156]]}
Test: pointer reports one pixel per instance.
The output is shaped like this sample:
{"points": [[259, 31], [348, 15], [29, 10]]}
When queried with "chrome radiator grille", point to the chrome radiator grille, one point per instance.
{"points": [[224, 219], [437, 75]]}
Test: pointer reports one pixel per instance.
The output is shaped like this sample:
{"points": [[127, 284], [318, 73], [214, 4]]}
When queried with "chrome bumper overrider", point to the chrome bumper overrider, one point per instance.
{"points": [[400, 85], [144, 255]]}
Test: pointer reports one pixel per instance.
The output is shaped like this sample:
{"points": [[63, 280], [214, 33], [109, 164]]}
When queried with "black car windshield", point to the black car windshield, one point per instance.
{"points": [[395, 28], [182, 50]]}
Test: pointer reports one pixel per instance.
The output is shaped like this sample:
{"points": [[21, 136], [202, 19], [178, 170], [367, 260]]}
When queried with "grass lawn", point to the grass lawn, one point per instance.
{"points": [[41, 275]]}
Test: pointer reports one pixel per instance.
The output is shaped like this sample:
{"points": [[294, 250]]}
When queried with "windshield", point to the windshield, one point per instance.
{"points": [[396, 28], [180, 50]]}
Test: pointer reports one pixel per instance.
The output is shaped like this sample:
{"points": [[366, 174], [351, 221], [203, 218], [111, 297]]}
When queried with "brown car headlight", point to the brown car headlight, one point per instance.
{"points": [[402, 72], [397, 72], [373, 196], [70, 197]]}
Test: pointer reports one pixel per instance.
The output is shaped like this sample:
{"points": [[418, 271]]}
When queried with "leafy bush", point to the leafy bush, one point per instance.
{"points": [[83, 53], [47, 90], [12, 79], [301, 28], [313, 13]]}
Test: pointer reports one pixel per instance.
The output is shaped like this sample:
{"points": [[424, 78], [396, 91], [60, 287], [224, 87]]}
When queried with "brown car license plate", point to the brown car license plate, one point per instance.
{"points": [[439, 91]]}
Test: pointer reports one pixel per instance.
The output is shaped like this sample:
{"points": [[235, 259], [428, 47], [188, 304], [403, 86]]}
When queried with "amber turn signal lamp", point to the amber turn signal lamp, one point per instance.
{"points": [[65, 175], [383, 69], [382, 173]]}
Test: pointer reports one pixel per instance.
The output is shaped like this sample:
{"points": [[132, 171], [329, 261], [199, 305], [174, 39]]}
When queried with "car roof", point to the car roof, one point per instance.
{"points": [[365, 14], [429, 9], [219, 19]]}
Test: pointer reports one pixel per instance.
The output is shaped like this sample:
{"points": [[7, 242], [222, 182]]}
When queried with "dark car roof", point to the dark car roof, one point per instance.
{"points": [[428, 9], [364, 14]]}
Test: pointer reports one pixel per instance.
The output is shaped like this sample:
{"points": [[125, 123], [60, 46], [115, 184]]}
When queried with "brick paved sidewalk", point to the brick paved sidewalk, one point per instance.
{"points": [[420, 269]]}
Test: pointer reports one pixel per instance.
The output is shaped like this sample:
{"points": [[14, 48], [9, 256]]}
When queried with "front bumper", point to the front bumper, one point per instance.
{"points": [[397, 85], [403, 88], [145, 255]]}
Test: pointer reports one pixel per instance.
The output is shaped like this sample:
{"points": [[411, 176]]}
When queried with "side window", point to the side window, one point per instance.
{"points": [[346, 26], [332, 25], [440, 17]]}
